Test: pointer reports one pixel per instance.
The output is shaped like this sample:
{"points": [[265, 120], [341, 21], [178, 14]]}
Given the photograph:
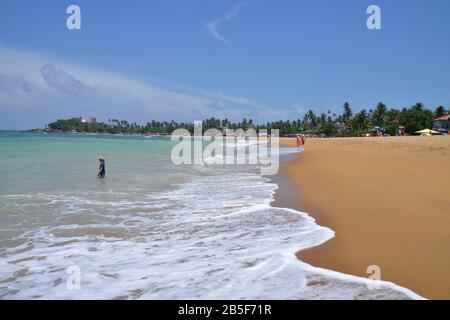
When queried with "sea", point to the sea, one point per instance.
{"points": [[153, 229]]}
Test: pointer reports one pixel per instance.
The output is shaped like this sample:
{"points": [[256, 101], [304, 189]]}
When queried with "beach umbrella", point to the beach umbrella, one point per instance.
{"points": [[427, 131]]}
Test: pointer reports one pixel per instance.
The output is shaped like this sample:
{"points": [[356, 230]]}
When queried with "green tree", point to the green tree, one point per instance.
{"points": [[360, 123], [416, 118], [440, 111], [348, 113], [328, 129], [379, 115]]}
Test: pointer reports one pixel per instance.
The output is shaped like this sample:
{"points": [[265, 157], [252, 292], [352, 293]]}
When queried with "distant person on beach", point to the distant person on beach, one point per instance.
{"points": [[298, 141], [101, 170], [303, 140]]}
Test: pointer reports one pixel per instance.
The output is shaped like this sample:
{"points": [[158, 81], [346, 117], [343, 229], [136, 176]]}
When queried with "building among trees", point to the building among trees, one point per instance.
{"points": [[442, 124]]}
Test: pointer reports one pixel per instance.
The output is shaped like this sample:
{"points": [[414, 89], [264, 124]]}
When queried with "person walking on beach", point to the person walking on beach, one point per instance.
{"points": [[303, 140], [297, 140], [101, 170]]}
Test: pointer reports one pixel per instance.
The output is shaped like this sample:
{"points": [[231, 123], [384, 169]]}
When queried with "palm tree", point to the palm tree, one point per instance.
{"points": [[348, 113], [379, 114]]}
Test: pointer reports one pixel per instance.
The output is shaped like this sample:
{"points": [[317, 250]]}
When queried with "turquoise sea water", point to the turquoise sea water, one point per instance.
{"points": [[151, 229], [48, 162]]}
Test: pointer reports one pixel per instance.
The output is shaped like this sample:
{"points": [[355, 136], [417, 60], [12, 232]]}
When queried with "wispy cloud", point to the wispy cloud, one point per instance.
{"points": [[213, 26]]}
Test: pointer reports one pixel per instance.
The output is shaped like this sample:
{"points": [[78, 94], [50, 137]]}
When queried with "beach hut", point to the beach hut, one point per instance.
{"points": [[442, 124]]}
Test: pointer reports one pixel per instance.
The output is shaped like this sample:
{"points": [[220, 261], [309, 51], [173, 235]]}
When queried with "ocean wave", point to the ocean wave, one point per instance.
{"points": [[216, 236]]}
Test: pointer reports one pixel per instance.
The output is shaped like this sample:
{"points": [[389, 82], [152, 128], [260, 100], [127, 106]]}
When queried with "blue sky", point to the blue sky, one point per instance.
{"points": [[188, 59]]}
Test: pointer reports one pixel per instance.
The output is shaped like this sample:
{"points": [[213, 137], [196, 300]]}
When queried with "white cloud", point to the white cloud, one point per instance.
{"points": [[214, 25], [212, 28], [35, 90]]}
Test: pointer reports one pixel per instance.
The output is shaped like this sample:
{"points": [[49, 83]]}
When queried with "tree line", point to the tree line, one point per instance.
{"points": [[348, 123]]}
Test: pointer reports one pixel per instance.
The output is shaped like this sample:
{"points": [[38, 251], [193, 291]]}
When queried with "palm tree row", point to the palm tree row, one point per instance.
{"points": [[347, 123]]}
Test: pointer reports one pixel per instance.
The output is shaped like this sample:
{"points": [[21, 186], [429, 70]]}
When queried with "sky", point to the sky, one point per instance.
{"points": [[191, 59]]}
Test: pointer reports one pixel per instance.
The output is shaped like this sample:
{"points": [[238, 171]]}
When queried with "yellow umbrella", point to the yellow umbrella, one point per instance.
{"points": [[427, 131]]}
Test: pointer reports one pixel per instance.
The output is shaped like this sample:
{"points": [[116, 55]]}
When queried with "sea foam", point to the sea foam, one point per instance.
{"points": [[212, 235]]}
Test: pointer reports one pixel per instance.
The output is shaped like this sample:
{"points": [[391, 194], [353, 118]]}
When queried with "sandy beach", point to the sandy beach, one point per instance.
{"points": [[388, 201]]}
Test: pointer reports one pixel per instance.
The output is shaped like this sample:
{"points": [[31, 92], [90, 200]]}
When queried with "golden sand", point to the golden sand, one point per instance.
{"points": [[387, 199]]}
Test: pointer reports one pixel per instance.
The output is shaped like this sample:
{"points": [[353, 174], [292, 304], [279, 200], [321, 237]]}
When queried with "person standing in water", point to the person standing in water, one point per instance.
{"points": [[101, 170], [303, 140], [297, 140]]}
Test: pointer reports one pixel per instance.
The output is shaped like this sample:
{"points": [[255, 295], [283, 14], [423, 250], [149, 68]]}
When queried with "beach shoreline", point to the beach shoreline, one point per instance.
{"points": [[369, 191]]}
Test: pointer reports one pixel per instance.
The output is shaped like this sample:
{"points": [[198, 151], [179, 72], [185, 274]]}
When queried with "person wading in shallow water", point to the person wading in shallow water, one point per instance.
{"points": [[101, 170], [297, 140]]}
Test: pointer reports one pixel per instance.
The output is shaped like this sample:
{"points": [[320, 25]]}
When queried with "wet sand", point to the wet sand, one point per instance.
{"points": [[387, 199]]}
